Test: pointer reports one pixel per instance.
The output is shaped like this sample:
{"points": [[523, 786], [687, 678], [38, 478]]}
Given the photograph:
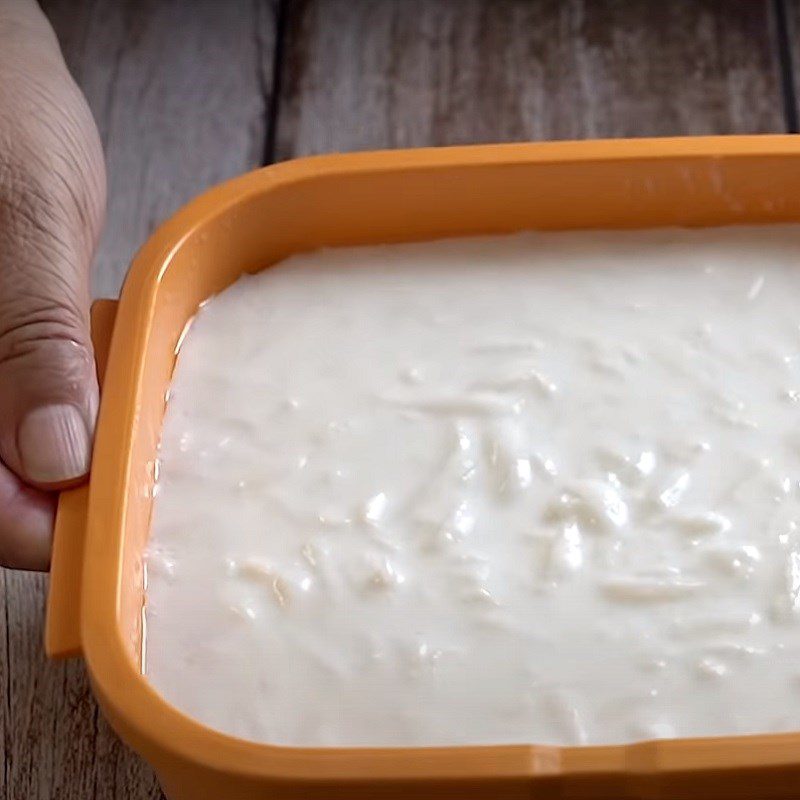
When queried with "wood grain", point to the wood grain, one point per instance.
{"points": [[789, 10], [360, 74], [181, 91]]}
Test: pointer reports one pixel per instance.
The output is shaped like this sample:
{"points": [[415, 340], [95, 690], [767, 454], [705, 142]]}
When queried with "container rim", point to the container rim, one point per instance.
{"points": [[150, 723]]}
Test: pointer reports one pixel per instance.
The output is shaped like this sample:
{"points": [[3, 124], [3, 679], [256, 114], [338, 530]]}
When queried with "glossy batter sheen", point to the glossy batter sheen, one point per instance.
{"points": [[539, 488]]}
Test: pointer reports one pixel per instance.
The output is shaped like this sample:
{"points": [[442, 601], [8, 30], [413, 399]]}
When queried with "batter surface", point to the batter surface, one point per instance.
{"points": [[539, 488]]}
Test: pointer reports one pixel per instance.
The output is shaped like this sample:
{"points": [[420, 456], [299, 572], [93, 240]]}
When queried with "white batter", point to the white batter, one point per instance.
{"points": [[539, 488]]}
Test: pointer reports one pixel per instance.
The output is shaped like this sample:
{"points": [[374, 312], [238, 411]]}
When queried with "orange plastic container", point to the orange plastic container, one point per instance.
{"points": [[96, 594]]}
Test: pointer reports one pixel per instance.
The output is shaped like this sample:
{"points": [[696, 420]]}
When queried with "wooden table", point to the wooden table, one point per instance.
{"points": [[189, 92]]}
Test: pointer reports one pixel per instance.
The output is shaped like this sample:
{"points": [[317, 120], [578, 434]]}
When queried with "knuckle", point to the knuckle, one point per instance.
{"points": [[48, 329]]}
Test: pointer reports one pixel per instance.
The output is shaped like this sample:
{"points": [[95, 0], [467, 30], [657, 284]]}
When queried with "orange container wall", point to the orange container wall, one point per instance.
{"points": [[254, 221]]}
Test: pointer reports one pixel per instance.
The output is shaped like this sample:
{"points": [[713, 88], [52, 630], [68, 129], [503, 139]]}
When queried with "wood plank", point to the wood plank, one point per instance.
{"points": [[360, 74], [181, 91], [52, 734], [789, 16]]}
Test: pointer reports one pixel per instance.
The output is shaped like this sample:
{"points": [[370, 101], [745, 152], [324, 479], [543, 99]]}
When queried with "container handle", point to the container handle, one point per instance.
{"points": [[62, 637]]}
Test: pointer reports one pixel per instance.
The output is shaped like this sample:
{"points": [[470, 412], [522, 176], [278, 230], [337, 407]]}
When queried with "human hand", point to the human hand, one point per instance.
{"points": [[52, 200]]}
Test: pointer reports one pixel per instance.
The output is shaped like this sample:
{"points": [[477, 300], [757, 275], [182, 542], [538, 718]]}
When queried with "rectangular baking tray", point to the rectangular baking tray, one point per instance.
{"points": [[95, 606]]}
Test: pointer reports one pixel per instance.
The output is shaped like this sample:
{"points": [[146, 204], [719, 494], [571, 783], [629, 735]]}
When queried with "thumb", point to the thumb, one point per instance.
{"points": [[52, 186], [48, 389]]}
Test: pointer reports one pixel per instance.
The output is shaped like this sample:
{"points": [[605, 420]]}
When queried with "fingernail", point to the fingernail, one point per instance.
{"points": [[54, 444]]}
